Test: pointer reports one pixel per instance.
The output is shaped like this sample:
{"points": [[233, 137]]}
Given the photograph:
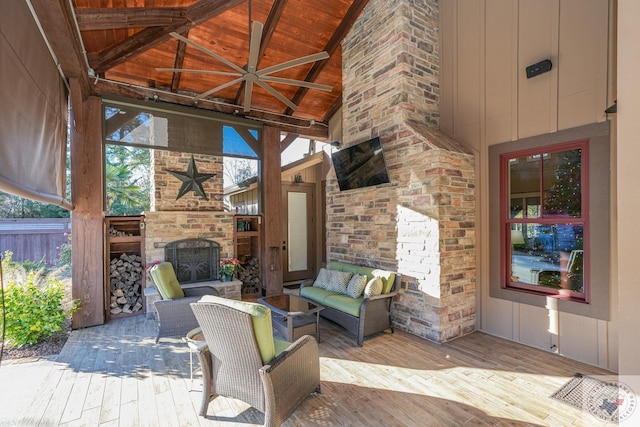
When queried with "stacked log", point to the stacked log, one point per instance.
{"points": [[249, 275], [125, 277]]}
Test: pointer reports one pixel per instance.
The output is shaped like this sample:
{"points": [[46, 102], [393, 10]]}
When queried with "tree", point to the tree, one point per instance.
{"points": [[128, 185], [238, 170]]}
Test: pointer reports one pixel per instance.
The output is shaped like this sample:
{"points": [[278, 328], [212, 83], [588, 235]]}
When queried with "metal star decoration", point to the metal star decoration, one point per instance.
{"points": [[192, 180]]}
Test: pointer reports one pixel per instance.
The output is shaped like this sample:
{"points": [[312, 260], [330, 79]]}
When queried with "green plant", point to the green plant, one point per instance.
{"points": [[64, 253], [34, 309], [228, 266]]}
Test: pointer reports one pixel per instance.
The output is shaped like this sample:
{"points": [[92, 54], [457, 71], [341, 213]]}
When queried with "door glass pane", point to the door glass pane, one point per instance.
{"points": [[297, 231], [562, 186], [524, 180], [548, 255]]}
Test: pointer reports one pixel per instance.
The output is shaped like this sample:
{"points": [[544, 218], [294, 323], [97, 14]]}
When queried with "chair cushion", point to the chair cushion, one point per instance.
{"points": [[261, 318], [356, 285], [315, 293], [280, 345], [166, 281], [344, 303]]}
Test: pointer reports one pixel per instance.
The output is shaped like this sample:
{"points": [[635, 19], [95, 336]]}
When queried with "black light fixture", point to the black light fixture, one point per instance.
{"points": [[539, 68], [612, 109]]}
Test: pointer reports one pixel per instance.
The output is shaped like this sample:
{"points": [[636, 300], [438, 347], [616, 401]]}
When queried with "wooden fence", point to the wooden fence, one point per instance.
{"points": [[34, 239]]}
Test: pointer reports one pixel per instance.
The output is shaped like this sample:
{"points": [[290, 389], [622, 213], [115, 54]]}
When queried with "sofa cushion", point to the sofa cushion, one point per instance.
{"points": [[261, 318], [322, 281], [166, 281], [339, 281], [373, 288], [315, 293], [387, 277], [344, 303], [356, 285], [280, 345]]}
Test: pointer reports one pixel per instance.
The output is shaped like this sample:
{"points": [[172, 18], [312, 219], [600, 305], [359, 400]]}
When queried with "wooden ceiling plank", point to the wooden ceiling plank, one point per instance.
{"points": [[286, 124], [129, 17], [333, 109], [178, 63], [286, 142], [56, 19], [196, 14], [341, 31]]}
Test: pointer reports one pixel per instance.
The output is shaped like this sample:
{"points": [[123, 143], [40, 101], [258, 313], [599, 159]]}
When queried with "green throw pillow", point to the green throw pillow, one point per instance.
{"points": [[166, 281], [373, 288], [356, 285], [261, 318]]}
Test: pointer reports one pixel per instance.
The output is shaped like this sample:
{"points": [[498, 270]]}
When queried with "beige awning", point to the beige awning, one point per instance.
{"points": [[33, 111]]}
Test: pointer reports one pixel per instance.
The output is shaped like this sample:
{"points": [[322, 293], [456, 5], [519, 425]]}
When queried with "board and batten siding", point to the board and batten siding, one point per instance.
{"points": [[486, 99]]}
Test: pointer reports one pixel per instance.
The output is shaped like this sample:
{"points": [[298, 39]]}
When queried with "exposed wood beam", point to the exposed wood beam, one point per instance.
{"points": [[77, 100], [345, 25], [286, 124], [179, 61], [197, 13], [129, 17], [333, 109], [286, 142], [56, 19], [267, 32]]}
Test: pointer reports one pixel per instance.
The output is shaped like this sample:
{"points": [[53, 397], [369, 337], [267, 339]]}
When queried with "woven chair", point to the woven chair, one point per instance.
{"points": [[237, 342], [175, 317]]}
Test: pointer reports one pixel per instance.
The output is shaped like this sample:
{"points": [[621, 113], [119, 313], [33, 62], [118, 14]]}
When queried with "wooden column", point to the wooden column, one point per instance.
{"points": [[272, 210], [87, 236]]}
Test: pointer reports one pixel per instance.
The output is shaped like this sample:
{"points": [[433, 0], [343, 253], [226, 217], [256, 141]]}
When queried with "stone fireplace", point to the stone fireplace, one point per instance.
{"points": [[178, 227], [423, 224], [194, 260]]}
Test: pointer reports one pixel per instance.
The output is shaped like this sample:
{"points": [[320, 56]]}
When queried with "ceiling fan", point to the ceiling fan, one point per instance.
{"points": [[251, 75]]}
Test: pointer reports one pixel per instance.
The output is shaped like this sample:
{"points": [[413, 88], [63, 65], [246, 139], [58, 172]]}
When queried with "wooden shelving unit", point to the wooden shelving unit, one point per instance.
{"points": [[248, 248], [124, 239]]}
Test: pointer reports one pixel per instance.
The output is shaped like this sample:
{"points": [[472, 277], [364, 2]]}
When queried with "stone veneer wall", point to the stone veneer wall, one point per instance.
{"points": [[190, 216], [422, 224]]}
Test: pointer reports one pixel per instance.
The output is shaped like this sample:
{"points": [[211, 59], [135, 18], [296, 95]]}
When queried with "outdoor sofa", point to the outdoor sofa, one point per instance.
{"points": [[361, 309]]}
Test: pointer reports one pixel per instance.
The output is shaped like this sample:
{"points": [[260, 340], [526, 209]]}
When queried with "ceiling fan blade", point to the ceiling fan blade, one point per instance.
{"points": [[187, 70], [248, 88], [296, 83], [277, 94], [208, 52], [217, 88], [254, 48], [293, 63]]}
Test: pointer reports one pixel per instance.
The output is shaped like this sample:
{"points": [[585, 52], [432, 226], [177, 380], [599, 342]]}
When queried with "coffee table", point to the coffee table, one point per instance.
{"points": [[293, 316]]}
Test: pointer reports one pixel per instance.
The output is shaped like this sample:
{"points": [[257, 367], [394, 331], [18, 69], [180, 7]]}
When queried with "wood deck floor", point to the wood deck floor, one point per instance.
{"points": [[114, 375]]}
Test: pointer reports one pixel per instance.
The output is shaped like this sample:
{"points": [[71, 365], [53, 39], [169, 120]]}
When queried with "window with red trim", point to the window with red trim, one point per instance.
{"points": [[544, 220]]}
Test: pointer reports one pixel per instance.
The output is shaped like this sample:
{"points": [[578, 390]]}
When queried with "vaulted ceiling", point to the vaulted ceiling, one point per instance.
{"points": [[141, 49]]}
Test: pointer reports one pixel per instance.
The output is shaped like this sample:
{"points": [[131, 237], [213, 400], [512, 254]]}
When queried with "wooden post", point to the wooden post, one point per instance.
{"points": [[87, 236], [272, 210]]}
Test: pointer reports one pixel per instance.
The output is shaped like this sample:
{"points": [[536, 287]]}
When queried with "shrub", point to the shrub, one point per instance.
{"points": [[33, 308], [64, 253]]}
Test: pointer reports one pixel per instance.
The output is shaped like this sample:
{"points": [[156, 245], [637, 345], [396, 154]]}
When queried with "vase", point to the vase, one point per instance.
{"points": [[227, 277]]}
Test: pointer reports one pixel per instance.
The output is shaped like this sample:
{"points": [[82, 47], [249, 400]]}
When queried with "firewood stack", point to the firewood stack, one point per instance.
{"points": [[249, 275], [126, 273]]}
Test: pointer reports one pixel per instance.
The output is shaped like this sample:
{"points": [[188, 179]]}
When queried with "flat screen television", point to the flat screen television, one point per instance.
{"points": [[361, 165]]}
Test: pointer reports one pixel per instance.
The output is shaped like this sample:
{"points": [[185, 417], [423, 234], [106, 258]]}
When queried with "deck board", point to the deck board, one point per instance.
{"points": [[115, 375]]}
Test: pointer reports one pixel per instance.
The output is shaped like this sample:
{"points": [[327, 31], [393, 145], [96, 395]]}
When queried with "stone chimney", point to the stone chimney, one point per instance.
{"points": [[422, 225]]}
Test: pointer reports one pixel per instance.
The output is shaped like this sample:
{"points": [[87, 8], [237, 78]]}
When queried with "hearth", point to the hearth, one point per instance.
{"points": [[194, 260]]}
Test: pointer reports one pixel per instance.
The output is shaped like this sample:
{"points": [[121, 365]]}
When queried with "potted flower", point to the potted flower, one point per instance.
{"points": [[228, 266]]}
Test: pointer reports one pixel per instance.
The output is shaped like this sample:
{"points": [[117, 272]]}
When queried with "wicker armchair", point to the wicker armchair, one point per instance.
{"points": [[175, 317], [236, 368]]}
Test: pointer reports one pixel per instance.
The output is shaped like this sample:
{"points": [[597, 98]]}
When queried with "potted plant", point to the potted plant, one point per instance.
{"points": [[228, 267]]}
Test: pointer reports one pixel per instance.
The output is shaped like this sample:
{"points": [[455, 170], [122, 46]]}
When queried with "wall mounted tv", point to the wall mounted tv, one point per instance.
{"points": [[361, 165]]}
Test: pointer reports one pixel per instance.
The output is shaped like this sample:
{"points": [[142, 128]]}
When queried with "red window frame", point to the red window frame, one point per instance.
{"points": [[506, 221]]}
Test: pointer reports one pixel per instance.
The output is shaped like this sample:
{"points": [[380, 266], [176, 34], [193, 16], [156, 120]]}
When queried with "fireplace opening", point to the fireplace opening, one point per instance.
{"points": [[194, 260]]}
